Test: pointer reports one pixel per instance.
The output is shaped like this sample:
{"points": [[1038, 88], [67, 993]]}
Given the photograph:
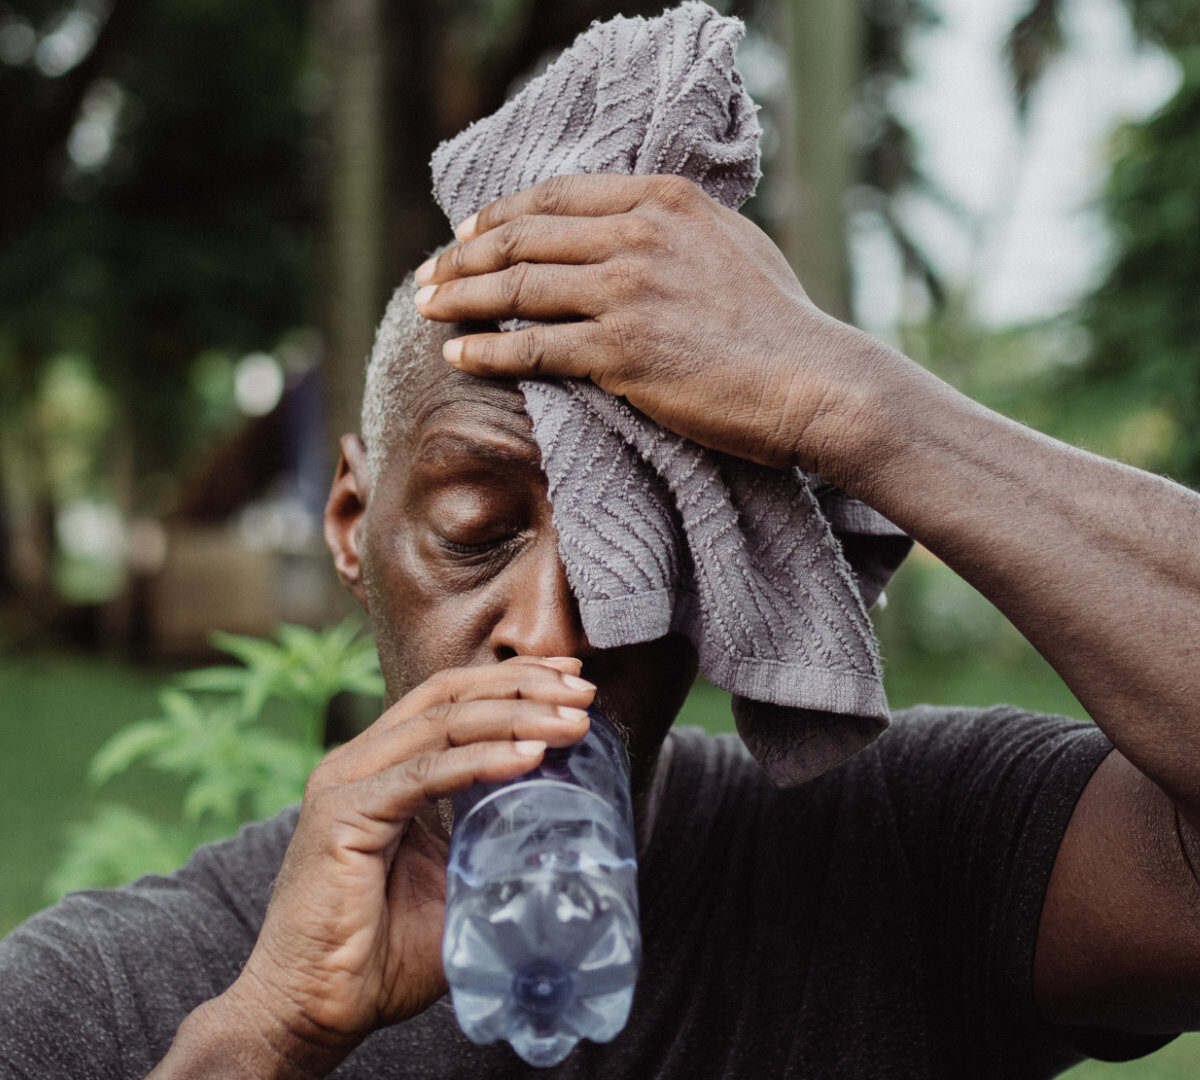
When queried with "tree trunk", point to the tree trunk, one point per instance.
{"points": [[350, 46], [422, 69], [819, 157]]}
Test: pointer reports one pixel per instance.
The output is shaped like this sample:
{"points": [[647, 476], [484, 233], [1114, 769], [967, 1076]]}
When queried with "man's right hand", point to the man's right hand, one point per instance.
{"points": [[662, 296], [352, 936]]}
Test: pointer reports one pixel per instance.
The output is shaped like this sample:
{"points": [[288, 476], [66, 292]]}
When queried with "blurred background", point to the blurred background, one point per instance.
{"points": [[204, 205]]}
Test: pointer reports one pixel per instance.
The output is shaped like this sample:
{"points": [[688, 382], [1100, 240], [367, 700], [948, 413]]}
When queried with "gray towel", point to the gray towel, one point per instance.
{"points": [[657, 533]]}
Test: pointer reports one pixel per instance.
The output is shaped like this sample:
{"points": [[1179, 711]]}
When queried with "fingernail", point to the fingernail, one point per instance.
{"points": [[425, 295], [466, 229], [529, 747], [576, 683], [452, 351], [565, 660], [425, 271], [565, 712]]}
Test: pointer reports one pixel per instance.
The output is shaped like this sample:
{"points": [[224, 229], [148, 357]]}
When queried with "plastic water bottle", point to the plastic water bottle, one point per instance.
{"points": [[542, 942]]}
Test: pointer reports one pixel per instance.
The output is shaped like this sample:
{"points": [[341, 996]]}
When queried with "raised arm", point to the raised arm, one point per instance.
{"points": [[688, 310]]}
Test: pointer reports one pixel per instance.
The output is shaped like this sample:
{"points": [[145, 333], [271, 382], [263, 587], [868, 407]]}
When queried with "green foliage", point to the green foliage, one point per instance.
{"points": [[308, 668], [1137, 394], [160, 198], [1173, 24], [1176, 1061], [117, 845], [216, 736], [1145, 318]]}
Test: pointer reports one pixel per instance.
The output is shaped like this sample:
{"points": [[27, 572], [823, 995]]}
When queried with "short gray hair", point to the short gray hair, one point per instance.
{"points": [[404, 342]]}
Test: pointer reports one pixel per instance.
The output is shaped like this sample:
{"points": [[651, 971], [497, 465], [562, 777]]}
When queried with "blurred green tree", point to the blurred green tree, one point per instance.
{"points": [[1145, 317], [157, 176], [158, 198], [1137, 391], [186, 181]]}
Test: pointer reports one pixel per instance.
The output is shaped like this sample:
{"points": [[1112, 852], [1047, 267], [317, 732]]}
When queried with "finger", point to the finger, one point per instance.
{"points": [[584, 195], [531, 679], [568, 665], [365, 814], [422, 780], [525, 291], [463, 723], [563, 240], [552, 680], [571, 350]]}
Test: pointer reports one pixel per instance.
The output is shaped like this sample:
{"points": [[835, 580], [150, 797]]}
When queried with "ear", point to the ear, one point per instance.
{"points": [[344, 512]]}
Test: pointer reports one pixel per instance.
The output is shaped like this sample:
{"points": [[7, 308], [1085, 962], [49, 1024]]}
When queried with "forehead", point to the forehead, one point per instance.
{"points": [[441, 392], [456, 415]]}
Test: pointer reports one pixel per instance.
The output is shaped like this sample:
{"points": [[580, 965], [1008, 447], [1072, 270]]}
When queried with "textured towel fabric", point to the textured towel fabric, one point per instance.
{"points": [[657, 533]]}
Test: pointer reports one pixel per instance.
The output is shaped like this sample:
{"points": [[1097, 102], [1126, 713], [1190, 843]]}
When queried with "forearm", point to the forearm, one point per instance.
{"points": [[1098, 564]]}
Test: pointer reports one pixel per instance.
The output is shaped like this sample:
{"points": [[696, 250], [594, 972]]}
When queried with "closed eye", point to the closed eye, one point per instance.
{"points": [[486, 547]]}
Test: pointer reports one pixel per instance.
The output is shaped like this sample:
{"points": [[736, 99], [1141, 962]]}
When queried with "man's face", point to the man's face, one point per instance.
{"points": [[460, 564]]}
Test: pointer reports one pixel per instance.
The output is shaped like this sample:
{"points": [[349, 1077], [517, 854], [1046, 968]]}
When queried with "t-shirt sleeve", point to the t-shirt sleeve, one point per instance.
{"points": [[56, 1009], [982, 799], [98, 985]]}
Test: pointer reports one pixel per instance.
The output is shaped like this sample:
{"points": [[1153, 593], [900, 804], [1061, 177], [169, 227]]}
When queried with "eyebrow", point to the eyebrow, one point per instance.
{"points": [[505, 450]]}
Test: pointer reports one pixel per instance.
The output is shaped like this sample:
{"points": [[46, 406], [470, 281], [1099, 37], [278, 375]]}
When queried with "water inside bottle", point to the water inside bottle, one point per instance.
{"points": [[544, 960], [542, 942]]}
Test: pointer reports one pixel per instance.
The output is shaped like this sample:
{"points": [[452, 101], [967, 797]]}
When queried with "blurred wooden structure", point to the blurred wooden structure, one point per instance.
{"points": [[243, 549]]}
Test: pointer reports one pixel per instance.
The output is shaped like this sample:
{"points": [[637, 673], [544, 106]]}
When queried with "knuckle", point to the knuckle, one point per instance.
{"points": [[531, 350], [626, 331], [483, 355], [319, 790], [454, 262], [336, 755], [442, 683], [515, 286], [439, 716], [644, 232], [628, 279], [510, 240], [420, 770], [480, 353], [675, 192], [551, 195]]}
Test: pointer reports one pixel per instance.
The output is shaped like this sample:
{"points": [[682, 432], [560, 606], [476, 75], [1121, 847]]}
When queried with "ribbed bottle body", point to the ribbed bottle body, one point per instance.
{"points": [[542, 942]]}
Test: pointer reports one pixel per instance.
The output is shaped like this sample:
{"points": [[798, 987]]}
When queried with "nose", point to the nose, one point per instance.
{"points": [[539, 615]]}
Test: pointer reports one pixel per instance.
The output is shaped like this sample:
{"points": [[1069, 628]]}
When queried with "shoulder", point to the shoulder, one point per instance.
{"points": [[925, 858], [937, 789], [119, 968], [921, 744], [1001, 767], [1002, 729]]}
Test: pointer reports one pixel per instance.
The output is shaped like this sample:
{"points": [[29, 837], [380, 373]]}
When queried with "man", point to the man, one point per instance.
{"points": [[976, 894]]}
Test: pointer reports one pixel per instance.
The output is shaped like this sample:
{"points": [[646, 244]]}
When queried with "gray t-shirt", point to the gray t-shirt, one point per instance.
{"points": [[878, 922]]}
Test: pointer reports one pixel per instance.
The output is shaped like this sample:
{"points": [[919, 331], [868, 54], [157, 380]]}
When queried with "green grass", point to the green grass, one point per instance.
{"points": [[56, 712], [1179, 1060], [708, 708]]}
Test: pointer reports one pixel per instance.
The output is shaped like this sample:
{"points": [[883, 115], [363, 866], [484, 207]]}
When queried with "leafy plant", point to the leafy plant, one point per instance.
{"points": [[306, 668], [237, 756]]}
